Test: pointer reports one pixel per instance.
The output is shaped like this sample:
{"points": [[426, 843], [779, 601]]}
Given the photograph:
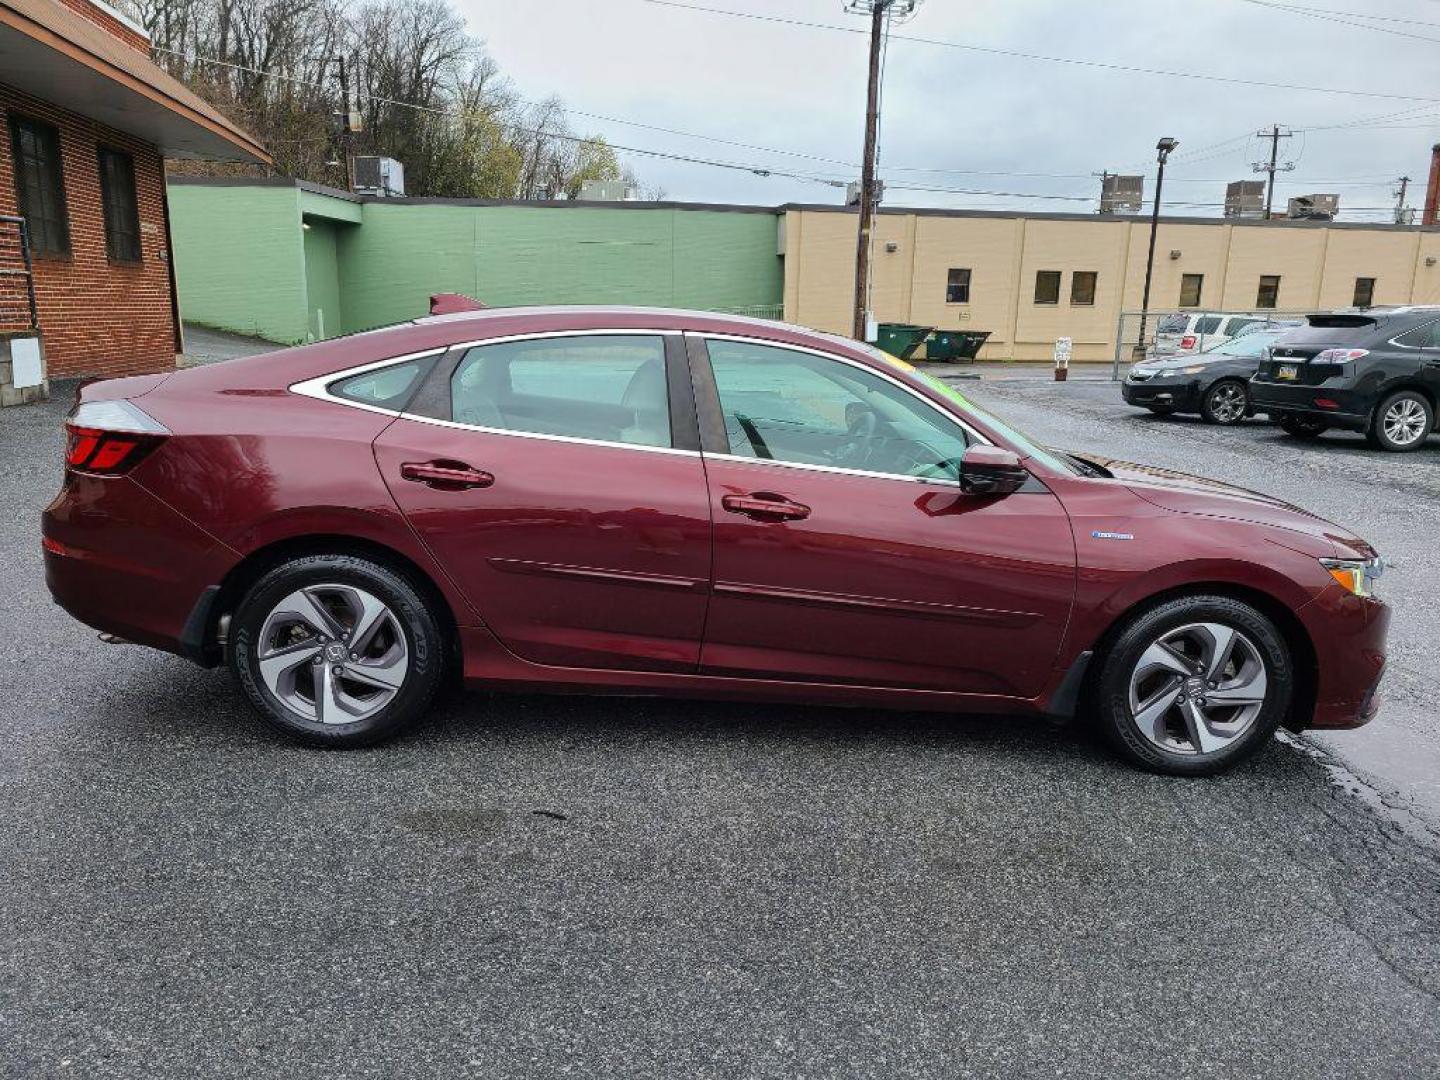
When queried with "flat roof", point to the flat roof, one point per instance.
{"points": [[809, 208]]}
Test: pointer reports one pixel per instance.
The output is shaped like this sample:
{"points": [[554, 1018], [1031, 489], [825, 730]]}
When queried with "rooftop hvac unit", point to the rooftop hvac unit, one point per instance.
{"points": [[604, 191], [1316, 207], [1245, 198], [1121, 194], [379, 176]]}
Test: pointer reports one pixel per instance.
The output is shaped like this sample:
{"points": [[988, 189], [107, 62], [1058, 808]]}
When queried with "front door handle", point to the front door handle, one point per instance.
{"points": [[765, 506], [446, 475]]}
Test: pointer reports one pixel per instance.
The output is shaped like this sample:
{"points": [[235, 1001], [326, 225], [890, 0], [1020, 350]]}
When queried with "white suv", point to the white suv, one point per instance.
{"points": [[1188, 332]]}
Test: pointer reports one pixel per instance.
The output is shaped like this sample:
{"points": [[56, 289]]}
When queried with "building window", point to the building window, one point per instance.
{"points": [[1269, 294], [1191, 286], [122, 214], [40, 185], [1047, 286], [1082, 287], [1364, 291], [957, 287]]}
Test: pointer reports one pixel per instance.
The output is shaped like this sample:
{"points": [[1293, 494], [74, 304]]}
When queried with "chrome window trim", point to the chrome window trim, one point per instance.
{"points": [[932, 480], [1417, 348], [932, 406], [318, 387]]}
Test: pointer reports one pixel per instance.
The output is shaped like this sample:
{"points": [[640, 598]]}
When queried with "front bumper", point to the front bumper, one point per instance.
{"points": [[1180, 393], [1349, 634], [1349, 409]]}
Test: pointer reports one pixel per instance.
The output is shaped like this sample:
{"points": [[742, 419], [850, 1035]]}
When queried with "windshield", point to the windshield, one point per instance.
{"points": [[1023, 444]]}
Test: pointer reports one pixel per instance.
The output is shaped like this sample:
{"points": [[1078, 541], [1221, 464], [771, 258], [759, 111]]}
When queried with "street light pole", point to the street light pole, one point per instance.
{"points": [[1163, 149]]}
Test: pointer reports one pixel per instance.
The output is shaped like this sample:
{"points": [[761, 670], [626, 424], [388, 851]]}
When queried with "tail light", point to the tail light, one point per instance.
{"points": [[110, 437], [1339, 357], [1188, 341]]}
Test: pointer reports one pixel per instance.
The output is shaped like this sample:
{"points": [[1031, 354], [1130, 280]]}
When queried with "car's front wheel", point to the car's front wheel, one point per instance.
{"points": [[1300, 426], [1194, 685], [1402, 422], [336, 650], [1226, 402]]}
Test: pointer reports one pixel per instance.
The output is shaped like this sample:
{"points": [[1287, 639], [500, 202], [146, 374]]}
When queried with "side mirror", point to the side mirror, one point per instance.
{"points": [[991, 470]]}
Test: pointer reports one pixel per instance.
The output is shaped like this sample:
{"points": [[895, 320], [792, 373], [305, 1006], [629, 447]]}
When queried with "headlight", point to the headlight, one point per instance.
{"points": [[1193, 369], [1356, 575]]}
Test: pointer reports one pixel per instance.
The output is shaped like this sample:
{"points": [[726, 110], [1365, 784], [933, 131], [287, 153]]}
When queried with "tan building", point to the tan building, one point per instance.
{"points": [[1031, 278]]}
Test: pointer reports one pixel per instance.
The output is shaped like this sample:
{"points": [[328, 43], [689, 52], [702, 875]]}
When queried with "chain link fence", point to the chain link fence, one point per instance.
{"points": [[1175, 332]]}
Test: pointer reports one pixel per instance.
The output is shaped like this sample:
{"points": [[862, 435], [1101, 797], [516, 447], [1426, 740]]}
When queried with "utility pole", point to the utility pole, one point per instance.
{"points": [[1275, 134], [879, 11], [346, 119], [1104, 179], [1402, 214], [1163, 150]]}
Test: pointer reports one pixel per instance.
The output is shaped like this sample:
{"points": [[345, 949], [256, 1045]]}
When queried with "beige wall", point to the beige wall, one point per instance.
{"points": [[1317, 266]]}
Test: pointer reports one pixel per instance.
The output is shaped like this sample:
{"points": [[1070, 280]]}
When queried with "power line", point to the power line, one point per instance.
{"points": [[1300, 8], [1312, 13], [1075, 61]]}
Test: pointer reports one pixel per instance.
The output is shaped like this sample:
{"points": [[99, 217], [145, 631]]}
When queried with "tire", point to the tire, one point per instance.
{"points": [[1145, 665], [354, 651], [1301, 426], [1226, 402], [1402, 422]]}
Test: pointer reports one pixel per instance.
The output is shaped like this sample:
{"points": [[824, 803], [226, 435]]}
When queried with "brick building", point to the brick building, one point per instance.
{"points": [[86, 121]]}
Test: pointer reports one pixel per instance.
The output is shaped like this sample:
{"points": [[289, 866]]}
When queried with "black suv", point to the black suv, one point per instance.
{"points": [[1376, 371]]}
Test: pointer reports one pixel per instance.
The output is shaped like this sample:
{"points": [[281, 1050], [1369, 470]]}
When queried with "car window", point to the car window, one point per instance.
{"points": [[1422, 337], [1330, 330], [1246, 346], [1236, 324], [1206, 324], [609, 388], [385, 388], [796, 407], [1173, 324]]}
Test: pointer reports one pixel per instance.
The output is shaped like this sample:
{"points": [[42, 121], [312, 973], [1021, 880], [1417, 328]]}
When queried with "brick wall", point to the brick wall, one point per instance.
{"points": [[108, 22], [98, 317]]}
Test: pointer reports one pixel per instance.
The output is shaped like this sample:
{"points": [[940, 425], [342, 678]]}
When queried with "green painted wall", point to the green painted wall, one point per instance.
{"points": [[322, 279], [242, 264], [239, 258]]}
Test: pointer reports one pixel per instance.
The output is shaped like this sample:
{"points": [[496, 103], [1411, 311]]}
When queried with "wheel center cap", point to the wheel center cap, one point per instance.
{"points": [[1195, 688], [335, 652]]}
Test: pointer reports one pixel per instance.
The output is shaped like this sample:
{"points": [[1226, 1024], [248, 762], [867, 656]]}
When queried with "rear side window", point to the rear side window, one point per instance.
{"points": [[607, 388], [385, 388], [1173, 324], [1207, 324], [1422, 337]]}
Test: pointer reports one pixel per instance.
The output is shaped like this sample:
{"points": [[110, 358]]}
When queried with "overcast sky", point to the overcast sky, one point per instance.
{"points": [[987, 120]]}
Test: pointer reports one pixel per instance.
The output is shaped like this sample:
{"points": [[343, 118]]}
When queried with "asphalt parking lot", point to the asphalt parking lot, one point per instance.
{"points": [[540, 887]]}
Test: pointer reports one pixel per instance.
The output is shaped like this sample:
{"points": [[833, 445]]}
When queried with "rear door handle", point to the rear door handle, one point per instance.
{"points": [[765, 506], [446, 475]]}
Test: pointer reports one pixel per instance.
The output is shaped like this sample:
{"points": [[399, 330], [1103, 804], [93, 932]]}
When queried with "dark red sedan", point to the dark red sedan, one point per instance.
{"points": [[638, 501]]}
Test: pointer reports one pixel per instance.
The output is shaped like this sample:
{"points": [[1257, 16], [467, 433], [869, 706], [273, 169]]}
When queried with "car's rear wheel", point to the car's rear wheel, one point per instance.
{"points": [[1195, 685], [1402, 422], [1227, 402], [336, 650], [1303, 427]]}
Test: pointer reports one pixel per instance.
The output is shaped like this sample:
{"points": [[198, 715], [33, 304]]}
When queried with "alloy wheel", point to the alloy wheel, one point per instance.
{"points": [[1227, 403], [332, 653], [1405, 421], [1198, 688]]}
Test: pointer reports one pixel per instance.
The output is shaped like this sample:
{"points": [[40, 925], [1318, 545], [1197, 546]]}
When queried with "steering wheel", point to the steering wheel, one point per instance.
{"points": [[859, 443]]}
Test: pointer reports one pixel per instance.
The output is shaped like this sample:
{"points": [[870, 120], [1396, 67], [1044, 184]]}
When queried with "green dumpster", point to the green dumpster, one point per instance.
{"points": [[901, 339], [955, 345]]}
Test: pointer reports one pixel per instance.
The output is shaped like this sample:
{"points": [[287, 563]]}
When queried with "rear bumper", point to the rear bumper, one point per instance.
{"points": [[1349, 634], [1350, 409], [123, 562]]}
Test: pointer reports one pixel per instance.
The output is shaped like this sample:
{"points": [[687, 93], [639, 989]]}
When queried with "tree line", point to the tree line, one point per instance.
{"points": [[423, 90]]}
